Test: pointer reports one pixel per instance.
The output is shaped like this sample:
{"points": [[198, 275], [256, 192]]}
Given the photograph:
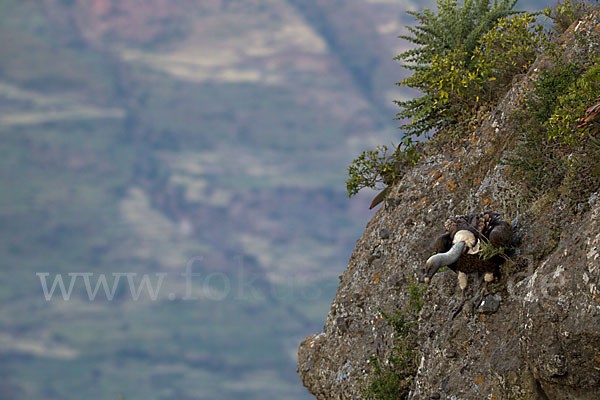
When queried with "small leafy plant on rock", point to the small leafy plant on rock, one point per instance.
{"points": [[376, 167]]}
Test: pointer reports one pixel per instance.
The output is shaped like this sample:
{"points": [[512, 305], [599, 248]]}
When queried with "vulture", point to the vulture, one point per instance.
{"points": [[459, 247]]}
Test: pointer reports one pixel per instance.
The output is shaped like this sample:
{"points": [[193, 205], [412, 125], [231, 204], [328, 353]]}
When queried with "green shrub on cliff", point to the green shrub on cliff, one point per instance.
{"points": [[443, 63], [464, 60]]}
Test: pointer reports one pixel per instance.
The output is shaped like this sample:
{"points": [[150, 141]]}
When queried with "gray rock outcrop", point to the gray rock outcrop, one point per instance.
{"points": [[536, 337]]}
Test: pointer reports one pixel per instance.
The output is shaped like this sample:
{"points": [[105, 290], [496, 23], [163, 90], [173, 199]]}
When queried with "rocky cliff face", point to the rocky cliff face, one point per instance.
{"points": [[537, 337]]}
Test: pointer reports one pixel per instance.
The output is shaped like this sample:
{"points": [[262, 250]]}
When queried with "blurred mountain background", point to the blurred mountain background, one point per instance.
{"points": [[158, 136]]}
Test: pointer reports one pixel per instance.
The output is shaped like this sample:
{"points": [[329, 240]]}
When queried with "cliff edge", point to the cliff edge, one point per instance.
{"points": [[536, 337]]}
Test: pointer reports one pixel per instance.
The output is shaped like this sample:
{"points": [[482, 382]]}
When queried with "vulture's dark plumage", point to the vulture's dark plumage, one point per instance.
{"points": [[458, 248]]}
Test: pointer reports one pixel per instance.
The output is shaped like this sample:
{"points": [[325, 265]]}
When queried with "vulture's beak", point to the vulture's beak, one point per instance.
{"points": [[437, 261]]}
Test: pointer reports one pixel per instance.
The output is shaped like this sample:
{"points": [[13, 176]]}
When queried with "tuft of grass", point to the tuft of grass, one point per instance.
{"points": [[391, 378], [556, 153], [566, 12], [488, 251]]}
